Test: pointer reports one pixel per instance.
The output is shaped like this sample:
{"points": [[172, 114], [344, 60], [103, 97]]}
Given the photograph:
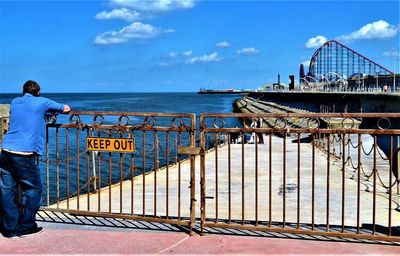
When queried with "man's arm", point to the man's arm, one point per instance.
{"points": [[53, 107], [66, 110]]}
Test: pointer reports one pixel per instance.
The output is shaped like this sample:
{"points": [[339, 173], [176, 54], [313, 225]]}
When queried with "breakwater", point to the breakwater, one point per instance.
{"points": [[368, 102], [388, 144], [251, 105]]}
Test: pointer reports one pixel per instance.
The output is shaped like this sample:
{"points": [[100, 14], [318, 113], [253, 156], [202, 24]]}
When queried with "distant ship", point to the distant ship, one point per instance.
{"points": [[224, 91]]}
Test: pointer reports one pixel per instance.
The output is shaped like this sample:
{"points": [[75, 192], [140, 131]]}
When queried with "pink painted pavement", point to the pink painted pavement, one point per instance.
{"points": [[83, 240]]}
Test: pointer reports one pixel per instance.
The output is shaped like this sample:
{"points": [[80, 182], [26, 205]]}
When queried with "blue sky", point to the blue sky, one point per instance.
{"points": [[171, 46]]}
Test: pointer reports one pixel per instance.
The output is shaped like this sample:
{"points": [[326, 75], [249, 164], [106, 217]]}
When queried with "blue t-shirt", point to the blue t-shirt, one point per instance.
{"points": [[27, 131]]}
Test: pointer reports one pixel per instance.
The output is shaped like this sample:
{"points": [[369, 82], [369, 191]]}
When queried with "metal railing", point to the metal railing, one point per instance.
{"points": [[136, 185], [304, 180], [306, 177]]}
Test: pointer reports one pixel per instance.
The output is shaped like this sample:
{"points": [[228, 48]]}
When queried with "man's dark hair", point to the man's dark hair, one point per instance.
{"points": [[31, 87]]}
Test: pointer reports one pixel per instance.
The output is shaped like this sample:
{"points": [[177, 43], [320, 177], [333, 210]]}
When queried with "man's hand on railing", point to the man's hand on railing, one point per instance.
{"points": [[66, 110]]}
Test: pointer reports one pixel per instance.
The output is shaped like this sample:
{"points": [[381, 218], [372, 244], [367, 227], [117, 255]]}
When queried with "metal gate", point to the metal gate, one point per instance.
{"points": [[312, 174], [154, 181]]}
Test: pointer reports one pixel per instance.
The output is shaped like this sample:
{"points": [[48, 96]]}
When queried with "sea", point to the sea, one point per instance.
{"points": [[172, 102], [119, 102]]}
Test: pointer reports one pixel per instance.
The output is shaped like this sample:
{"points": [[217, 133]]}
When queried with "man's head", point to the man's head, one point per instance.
{"points": [[31, 87]]}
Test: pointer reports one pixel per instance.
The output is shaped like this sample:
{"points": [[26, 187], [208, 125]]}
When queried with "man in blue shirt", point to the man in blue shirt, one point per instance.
{"points": [[23, 143]]}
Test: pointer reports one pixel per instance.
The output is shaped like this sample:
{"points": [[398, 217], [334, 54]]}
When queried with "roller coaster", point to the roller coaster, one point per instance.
{"points": [[342, 66]]}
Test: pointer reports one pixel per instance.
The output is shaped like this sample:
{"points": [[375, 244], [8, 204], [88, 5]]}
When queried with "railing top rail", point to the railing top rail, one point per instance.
{"points": [[309, 115], [118, 113]]}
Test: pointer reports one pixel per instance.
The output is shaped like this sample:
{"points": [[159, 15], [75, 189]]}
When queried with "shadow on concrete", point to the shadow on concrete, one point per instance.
{"points": [[66, 218], [93, 222]]}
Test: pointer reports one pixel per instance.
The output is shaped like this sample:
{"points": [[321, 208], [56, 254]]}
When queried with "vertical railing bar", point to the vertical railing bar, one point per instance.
{"points": [[374, 188], [67, 163], [343, 179], [348, 150], [202, 176], [216, 143], [109, 178], [358, 182], [155, 137], [390, 187], [99, 182], [144, 174], [298, 181], [270, 180], [133, 177], [243, 135], [176, 149], [179, 176], [256, 178], [167, 174], [313, 184], [284, 182], [47, 167], [88, 175], [99, 177], [328, 169], [398, 166], [120, 179], [229, 180], [57, 169], [193, 200], [78, 175]]}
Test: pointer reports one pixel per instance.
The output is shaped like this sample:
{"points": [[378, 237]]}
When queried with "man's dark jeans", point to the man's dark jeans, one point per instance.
{"points": [[24, 171]]}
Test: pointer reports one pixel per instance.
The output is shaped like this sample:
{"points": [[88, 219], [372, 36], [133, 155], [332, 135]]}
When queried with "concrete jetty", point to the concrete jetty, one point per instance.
{"points": [[251, 105]]}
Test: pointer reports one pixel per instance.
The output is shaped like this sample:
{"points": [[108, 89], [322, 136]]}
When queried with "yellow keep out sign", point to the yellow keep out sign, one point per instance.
{"points": [[110, 144]]}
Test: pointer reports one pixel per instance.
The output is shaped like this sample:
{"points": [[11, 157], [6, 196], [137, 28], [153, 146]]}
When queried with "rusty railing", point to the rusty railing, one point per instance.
{"points": [[325, 174], [314, 174], [155, 182]]}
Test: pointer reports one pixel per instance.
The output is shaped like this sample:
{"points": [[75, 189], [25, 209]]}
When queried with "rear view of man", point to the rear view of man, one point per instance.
{"points": [[23, 143]]}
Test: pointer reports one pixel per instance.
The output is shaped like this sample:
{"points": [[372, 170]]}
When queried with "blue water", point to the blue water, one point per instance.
{"points": [[144, 148], [142, 102]]}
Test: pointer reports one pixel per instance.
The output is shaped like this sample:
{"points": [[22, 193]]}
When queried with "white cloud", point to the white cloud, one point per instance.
{"points": [[155, 5], [173, 54], [374, 30], [248, 51], [136, 30], [392, 53], [122, 14], [223, 45], [316, 42], [187, 53], [177, 54], [135, 10], [213, 57]]}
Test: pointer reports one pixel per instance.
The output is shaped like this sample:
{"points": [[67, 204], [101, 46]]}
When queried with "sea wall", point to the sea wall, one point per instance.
{"points": [[335, 101]]}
